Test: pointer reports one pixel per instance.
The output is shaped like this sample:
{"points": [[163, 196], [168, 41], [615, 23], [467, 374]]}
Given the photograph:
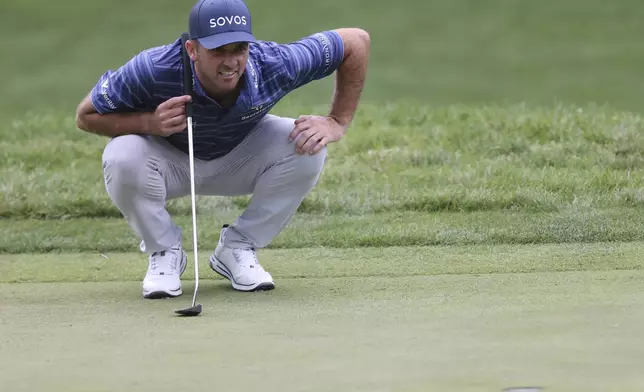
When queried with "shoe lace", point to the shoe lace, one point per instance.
{"points": [[163, 261], [246, 257]]}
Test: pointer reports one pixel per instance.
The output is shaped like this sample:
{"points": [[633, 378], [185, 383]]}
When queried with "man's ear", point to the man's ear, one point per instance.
{"points": [[191, 48]]}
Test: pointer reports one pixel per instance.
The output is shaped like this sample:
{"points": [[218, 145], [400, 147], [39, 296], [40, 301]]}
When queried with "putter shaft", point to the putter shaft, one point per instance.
{"points": [[194, 208]]}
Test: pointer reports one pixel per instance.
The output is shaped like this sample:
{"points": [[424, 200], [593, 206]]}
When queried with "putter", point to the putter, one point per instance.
{"points": [[195, 308]]}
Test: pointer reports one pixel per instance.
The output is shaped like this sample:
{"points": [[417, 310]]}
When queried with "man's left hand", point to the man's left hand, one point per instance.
{"points": [[314, 132]]}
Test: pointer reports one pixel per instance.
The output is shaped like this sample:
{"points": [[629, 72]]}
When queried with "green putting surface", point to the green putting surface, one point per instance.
{"points": [[354, 325]]}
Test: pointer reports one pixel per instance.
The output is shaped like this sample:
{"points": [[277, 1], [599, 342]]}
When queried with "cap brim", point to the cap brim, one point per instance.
{"points": [[221, 39]]}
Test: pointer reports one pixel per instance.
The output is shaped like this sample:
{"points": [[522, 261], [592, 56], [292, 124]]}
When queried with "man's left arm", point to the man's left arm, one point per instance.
{"points": [[315, 132]]}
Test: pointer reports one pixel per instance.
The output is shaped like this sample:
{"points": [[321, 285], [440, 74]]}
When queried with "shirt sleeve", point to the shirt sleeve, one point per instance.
{"points": [[128, 88], [311, 58]]}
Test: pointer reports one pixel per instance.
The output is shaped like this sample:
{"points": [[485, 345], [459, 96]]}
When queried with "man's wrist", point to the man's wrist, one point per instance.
{"points": [[148, 124], [343, 121]]}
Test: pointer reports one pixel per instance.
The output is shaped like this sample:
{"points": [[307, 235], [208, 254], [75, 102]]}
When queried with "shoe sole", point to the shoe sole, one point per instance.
{"points": [[222, 270], [160, 294]]}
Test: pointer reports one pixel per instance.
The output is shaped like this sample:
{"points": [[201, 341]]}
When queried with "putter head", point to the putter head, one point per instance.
{"points": [[193, 311]]}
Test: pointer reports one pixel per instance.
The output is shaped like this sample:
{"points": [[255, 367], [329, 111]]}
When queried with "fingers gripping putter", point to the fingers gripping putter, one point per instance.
{"points": [[195, 308]]}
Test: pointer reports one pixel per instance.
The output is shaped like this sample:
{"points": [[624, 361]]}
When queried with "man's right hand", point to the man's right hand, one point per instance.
{"points": [[169, 117]]}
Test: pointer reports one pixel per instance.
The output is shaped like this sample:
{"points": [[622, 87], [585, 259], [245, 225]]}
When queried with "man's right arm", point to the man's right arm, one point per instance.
{"points": [[122, 103], [113, 124]]}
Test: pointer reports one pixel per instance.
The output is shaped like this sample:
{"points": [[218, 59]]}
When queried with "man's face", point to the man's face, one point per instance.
{"points": [[221, 67]]}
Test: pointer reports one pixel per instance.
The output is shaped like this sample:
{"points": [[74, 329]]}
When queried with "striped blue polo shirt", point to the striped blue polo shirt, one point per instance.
{"points": [[273, 70]]}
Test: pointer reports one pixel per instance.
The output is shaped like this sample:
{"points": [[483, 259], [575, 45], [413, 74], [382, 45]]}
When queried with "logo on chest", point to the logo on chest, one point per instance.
{"points": [[256, 111]]}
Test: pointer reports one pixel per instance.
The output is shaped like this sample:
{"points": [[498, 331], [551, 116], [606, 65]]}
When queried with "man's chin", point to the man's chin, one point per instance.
{"points": [[227, 86]]}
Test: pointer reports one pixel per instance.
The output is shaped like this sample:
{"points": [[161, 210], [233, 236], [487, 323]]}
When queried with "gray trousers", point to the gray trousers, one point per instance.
{"points": [[143, 172]]}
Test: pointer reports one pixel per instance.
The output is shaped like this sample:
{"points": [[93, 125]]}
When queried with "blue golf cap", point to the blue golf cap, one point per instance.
{"points": [[216, 23]]}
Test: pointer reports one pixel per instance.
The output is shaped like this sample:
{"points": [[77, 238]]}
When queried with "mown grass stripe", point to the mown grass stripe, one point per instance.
{"points": [[340, 263]]}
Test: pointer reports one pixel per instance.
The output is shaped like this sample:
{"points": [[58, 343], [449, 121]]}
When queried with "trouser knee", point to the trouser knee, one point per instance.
{"points": [[307, 166], [124, 163]]}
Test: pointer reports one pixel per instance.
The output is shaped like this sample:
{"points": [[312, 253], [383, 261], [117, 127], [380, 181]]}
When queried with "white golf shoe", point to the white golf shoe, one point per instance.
{"points": [[240, 266], [164, 272]]}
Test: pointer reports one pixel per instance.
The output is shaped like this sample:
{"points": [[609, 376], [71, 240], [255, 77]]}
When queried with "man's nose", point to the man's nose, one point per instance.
{"points": [[229, 60]]}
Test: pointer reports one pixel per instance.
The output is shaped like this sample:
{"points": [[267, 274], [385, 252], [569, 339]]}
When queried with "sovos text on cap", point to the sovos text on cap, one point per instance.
{"points": [[216, 23]]}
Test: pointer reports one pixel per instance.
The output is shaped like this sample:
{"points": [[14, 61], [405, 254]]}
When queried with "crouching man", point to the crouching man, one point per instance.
{"points": [[240, 149]]}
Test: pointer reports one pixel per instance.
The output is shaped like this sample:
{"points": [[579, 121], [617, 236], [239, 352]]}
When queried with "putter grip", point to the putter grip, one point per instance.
{"points": [[187, 72]]}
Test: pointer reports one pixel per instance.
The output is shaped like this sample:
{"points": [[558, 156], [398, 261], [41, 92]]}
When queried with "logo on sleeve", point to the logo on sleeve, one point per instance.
{"points": [[326, 47], [104, 87]]}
